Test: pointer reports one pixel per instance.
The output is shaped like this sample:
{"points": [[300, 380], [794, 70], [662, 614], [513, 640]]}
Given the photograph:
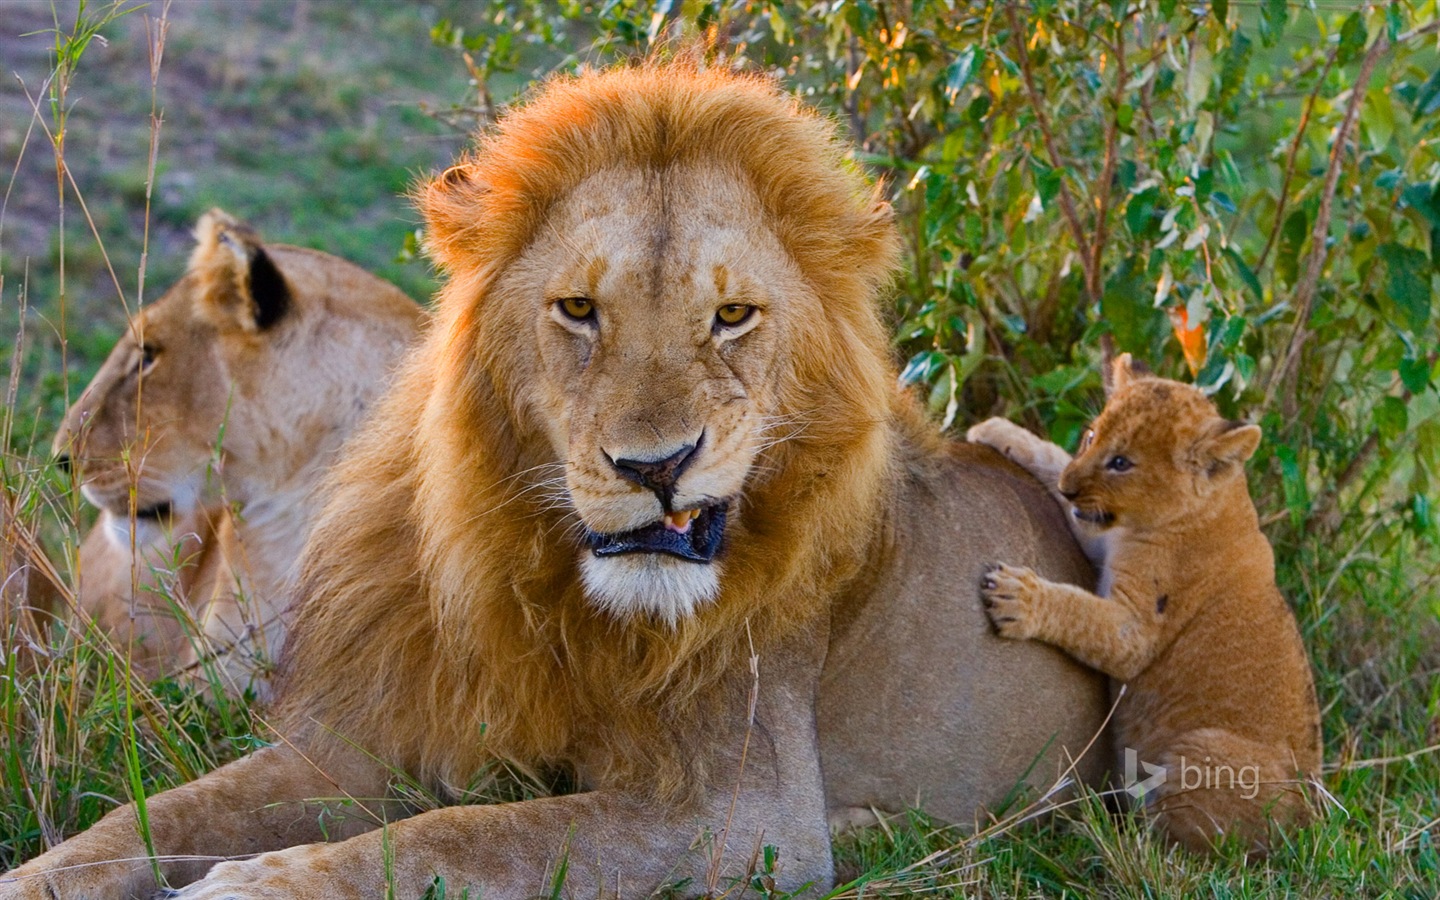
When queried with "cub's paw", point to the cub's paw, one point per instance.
{"points": [[1004, 435], [1009, 595]]}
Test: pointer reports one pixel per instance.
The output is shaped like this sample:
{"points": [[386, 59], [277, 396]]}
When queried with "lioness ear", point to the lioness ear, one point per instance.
{"points": [[240, 286], [1224, 444]]}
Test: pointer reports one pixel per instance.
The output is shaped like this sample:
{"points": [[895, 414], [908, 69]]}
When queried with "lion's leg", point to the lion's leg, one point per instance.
{"points": [[610, 841], [1045, 461], [605, 843], [271, 799], [1034, 454], [1111, 635], [1218, 784]]}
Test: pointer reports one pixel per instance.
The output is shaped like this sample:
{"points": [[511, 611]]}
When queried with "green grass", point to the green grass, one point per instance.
{"points": [[311, 131]]}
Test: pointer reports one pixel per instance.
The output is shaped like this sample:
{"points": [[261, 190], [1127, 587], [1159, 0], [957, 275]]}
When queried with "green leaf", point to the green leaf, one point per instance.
{"points": [[1246, 274], [1414, 374], [923, 366], [1422, 198], [1407, 283], [959, 72], [1427, 99], [1352, 39], [1199, 74], [1128, 305], [1293, 484], [1237, 62], [1221, 9], [1140, 211], [1391, 418], [1273, 16], [1292, 238], [1394, 22]]}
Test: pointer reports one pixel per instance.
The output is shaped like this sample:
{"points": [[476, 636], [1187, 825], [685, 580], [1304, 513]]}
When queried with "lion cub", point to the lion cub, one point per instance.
{"points": [[1219, 712]]}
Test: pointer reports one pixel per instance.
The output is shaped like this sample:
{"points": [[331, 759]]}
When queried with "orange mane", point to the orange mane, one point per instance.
{"points": [[441, 602]]}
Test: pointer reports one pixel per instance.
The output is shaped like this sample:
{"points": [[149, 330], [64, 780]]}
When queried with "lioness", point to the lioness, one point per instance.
{"points": [[647, 509], [255, 366], [143, 581], [1220, 698]]}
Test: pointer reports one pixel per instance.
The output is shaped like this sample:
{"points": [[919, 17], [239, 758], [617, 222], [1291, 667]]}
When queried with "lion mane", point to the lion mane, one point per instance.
{"points": [[434, 511]]}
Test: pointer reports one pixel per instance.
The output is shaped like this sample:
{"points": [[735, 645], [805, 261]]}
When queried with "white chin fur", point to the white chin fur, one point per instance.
{"points": [[648, 584], [117, 529]]}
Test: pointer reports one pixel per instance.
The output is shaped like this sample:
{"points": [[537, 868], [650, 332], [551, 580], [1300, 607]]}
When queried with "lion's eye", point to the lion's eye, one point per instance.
{"points": [[1119, 464], [733, 314], [148, 354], [578, 308]]}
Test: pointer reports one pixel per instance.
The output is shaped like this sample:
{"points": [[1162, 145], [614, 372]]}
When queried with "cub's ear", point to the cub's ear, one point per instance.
{"points": [[240, 286], [1225, 444], [1122, 373]]}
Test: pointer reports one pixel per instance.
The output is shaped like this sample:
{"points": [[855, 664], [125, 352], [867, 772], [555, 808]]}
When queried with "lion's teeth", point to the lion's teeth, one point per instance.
{"points": [[679, 522]]}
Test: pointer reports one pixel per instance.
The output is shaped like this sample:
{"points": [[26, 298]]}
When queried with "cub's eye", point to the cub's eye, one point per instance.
{"points": [[578, 308], [1119, 464], [733, 314]]}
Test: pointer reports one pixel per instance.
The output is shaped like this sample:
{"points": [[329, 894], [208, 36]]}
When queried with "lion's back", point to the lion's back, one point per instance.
{"points": [[920, 700]]}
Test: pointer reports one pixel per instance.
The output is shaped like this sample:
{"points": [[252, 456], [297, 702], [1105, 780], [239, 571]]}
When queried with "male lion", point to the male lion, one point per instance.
{"points": [[257, 364], [646, 509]]}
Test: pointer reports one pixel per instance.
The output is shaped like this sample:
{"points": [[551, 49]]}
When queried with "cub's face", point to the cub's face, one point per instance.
{"points": [[1155, 456], [664, 311]]}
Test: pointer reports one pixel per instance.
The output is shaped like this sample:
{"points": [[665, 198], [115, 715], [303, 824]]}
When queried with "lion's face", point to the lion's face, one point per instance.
{"points": [[148, 421], [252, 368], [659, 322], [661, 319], [1156, 455]]}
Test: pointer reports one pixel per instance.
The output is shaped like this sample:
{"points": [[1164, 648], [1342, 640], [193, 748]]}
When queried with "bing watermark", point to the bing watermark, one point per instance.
{"points": [[1189, 776]]}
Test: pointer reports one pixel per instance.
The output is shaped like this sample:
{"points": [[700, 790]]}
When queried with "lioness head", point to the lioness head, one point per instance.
{"points": [[667, 277], [1156, 454], [250, 365]]}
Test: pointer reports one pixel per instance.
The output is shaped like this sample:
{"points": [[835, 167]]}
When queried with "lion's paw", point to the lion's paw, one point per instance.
{"points": [[1009, 595], [270, 876]]}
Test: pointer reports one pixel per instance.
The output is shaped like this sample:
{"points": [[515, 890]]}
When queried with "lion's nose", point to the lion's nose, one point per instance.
{"points": [[658, 475]]}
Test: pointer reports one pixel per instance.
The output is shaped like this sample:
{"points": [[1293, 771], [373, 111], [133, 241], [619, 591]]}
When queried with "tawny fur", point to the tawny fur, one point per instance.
{"points": [[1218, 685], [283, 376], [844, 661], [144, 583]]}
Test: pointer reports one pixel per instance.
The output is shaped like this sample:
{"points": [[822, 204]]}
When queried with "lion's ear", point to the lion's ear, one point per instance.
{"points": [[240, 286], [452, 203], [1225, 444]]}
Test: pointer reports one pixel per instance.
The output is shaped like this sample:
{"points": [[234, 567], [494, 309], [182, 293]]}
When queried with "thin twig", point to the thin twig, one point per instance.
{"points": [[155, 44], [1304, 297], [1067, 205], [1290, 161]]}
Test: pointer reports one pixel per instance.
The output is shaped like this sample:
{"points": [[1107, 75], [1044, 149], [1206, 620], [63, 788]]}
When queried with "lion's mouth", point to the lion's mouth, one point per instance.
{"points": [[1092, 516], [691, 534]]}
